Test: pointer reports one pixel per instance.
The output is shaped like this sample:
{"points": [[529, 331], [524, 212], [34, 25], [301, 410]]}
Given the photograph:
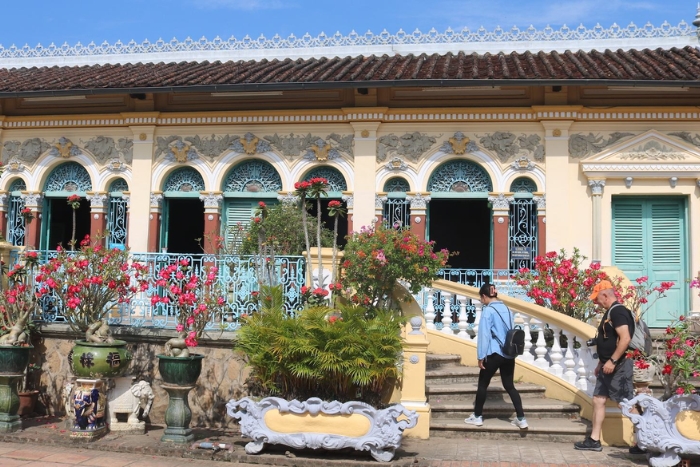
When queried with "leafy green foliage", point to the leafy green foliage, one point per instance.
{"points": [[335, 355]]}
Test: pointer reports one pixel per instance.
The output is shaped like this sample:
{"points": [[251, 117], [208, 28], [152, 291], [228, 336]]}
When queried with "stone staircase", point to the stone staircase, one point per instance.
{"points": [[451, 392]]}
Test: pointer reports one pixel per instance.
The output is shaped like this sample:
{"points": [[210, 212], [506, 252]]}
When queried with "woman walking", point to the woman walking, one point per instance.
{"points": [[496, 320]]}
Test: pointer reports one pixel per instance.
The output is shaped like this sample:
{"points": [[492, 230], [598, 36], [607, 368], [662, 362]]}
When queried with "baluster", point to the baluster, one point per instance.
{"points": [[527, 353], [582, 374], [590, 364], [541, 348], [430, 310], [463, 324], [447, 315], [477, 317], [555, 354], [569, 363]]}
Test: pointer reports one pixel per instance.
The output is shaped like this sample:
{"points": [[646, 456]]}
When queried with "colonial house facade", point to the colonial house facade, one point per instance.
{"points": [[499, 145]]}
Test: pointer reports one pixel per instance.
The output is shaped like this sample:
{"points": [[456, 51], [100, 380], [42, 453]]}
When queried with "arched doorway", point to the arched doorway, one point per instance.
{"points": [[522, 224], [117, 214], [459, 215], [337, 184], [183, 212], [16, 223], [57, 226], [397, 210]]}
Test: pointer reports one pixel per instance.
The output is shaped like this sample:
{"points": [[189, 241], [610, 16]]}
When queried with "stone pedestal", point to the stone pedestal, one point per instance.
{"points": [[89, 401], [9, 402], [178, 415]]}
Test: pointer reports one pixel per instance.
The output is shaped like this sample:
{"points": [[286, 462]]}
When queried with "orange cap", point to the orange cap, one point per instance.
{"points": [[602, 285]]}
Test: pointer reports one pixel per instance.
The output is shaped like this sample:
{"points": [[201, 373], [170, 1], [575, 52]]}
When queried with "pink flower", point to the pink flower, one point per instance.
{"points": [[179, 327]]}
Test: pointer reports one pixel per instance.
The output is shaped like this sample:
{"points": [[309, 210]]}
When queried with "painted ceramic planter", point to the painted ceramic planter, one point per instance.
{"points": [[317, 424], [100, 360], [180, 371], [14, 359]]}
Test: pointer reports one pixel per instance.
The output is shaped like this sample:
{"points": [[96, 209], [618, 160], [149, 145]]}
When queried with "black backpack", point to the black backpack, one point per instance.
{"points": [[515, 339]]}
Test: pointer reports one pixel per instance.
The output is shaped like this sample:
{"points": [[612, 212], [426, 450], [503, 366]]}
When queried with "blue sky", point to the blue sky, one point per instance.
{"points": [[46, 21]]}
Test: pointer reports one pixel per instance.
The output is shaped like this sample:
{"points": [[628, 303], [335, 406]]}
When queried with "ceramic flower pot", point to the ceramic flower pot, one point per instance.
{"points": [[14, 359], [180, 371], [100, 360], [27, 402]]}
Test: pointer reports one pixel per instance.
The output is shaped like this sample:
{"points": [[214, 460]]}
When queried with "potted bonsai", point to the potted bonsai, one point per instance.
{"points": [[86, 285]]}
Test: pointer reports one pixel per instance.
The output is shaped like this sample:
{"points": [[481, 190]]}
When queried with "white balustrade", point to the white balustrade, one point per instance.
{"points": [[555, 354], [541, 348], [582, 373], [463, 324], [447, 314], [569, 362], [527, 351], [478, 306], [429, 313]]}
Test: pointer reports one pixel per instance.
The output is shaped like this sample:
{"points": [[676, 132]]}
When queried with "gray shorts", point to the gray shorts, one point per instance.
{"points": [[617, 385]]}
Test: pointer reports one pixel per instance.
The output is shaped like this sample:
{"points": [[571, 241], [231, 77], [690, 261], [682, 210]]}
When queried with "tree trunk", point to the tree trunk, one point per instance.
{"points": [[304, 218], [318, 239], [72, 236]]}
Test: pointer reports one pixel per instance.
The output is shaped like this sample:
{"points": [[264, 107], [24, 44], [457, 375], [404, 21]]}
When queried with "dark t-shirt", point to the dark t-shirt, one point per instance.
{"points": [[617, 315]]}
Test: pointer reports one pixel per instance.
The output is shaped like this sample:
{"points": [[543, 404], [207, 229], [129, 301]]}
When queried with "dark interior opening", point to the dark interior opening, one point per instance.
{"points": [[185, 225], [60, 226], [328, 221], [462, 225]]}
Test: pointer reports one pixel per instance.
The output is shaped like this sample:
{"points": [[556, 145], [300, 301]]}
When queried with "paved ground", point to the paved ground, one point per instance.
{"points": [[45, 442]]}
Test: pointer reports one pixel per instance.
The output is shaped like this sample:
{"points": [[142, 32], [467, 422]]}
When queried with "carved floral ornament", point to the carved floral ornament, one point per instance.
{"points": [[409, 146], [211, 200], [102, 149], [508, 146], [501, 202]]}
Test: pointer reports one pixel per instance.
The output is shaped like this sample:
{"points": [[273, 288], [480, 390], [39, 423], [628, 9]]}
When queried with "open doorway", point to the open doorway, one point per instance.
{"points": [[184, 224], [328, 222], [58, 223], [462, 225]]}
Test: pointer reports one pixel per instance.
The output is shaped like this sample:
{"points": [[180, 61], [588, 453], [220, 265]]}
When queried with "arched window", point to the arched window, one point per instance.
{"points": [[523, 185], [459, 176], [118, 185], [397, 185], [117, 213], [335, 178], [185, 180], [253, 176], [70, 176]]}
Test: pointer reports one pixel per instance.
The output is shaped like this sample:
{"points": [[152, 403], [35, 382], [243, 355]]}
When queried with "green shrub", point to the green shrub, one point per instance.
{"points": [[332, 354]]}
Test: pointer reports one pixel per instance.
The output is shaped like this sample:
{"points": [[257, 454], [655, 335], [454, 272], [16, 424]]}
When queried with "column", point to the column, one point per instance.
{"points": [[419, 207], [4, 197], [379, 200], [556, 143], [540, 199], [597, 186], [500, 205], [212, 220], [32, 232], [140, 185], [415, 349], [154, 217], [350, 204], [365, 172], [98, 215]]}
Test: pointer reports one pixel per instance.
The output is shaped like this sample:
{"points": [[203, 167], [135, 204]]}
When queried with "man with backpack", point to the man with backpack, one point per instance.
{"points": [[614, 373], [494, 326]]}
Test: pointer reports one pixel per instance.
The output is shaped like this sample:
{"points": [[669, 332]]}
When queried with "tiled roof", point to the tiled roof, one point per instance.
{"points": [[678, 65]]}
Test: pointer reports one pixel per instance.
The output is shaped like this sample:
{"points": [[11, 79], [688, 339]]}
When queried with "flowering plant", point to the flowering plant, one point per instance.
{"points": [[314, 297], [18, 302], [639, 298], [315, 187], [376, 257], [197, 300], [27, 215], [74, 203], [560, 283], [88, 283]]}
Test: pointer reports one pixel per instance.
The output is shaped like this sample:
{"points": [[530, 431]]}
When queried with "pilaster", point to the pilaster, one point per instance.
{"points": [[419, 207], [597, 186], [4, 197], [541, 200], [379, 200], [140, 193], [365, 169], [98, 212], [32, 200], [212, 219], [154, 217], [500, 206], [350, 205]]}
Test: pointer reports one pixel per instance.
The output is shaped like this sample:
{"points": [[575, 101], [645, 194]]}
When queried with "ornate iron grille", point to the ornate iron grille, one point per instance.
{"points": [[116, 221], [253, 176], [397, 212], [523, 185], [118, 185], [335, 179], [16, 225], [70, 176], [184, 179], [522, 235], [397, 185], [460, 176]]}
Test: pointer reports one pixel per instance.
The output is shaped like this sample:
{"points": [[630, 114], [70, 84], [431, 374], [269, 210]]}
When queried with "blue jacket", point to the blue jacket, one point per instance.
{"points": [[486, 343]]}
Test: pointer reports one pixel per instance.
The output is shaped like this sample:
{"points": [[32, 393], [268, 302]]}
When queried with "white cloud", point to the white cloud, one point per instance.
{"points": [[248, 5]]}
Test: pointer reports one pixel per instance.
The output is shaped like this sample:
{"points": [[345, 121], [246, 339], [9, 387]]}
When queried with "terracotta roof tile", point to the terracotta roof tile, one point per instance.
{"points": [[640, 65]]}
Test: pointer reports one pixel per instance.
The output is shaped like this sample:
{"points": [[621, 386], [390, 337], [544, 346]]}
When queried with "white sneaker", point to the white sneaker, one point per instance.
{"points": [[474, 420], [522, 424]]}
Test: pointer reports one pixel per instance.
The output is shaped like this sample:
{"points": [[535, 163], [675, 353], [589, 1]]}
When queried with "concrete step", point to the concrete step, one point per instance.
{"points": [[503, 408], [461, 392], [544, 429], [433, 361], [453, 374]]}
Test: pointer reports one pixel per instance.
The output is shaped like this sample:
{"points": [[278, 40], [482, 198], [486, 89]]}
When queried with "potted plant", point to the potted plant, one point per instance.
{"points": [[86, 285], [28, 392]]}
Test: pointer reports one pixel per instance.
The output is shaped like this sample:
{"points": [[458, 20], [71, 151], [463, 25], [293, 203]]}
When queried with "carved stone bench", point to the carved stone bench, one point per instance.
{"points": [[322, 425], [666, 429]]}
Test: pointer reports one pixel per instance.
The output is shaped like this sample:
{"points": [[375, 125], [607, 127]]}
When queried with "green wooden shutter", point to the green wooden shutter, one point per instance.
{"points": [[628, 237], [239, 210]]}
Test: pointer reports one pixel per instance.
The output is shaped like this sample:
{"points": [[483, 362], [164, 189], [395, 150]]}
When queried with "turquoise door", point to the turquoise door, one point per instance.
{"points": [[650, 239]]}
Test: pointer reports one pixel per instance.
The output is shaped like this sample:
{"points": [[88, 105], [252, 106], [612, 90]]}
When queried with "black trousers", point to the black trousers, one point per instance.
{"points": [[493, 363]]}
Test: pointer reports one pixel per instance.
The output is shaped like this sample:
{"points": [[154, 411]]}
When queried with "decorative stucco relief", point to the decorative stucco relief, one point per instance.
{"points": [[652, 151], [249, 144], [585, 145], [687, 137], [458, 144], [175, 149], [313, 147], [106, 149], [507, 145], [410, 145], [27, 151]]}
